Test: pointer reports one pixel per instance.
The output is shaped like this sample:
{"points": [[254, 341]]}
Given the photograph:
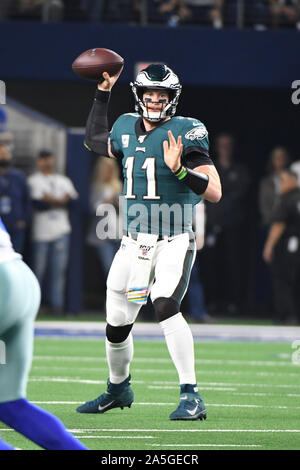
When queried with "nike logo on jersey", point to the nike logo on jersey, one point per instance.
{"points": [[101, 408], [141, 138]]}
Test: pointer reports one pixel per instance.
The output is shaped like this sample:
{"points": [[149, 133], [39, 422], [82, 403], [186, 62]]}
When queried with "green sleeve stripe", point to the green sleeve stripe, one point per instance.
{"points": [[86, 146]]}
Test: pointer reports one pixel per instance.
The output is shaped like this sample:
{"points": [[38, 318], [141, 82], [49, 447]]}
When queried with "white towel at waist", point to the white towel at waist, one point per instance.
{"points": [[138, 282]]}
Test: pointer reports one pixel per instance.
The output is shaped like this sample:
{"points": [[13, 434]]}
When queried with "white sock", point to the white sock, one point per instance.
{"points": [[180, 344], [119, 356]]}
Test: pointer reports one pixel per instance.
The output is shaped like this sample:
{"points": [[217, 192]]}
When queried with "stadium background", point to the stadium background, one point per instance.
{"points": [[236, 79]]}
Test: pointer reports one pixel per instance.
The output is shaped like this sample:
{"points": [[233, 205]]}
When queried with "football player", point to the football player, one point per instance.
{"points": [[166, 165], [19, 304]]}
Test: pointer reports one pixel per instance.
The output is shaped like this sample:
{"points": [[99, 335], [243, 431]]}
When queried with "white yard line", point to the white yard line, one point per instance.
{"points": [[80, 402], [174, 387], [67, 380], [229, 405], [117, 437], [83, 431], [204, 445], [248, 373], [57, 402], [167, 383], [253, 394], [68, 358], [146, 360], [93, 430], [79, 431], [199, 372]]}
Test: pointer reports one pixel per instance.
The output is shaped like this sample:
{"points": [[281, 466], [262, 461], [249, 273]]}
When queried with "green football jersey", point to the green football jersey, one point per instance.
{"points": [[155, 201]]}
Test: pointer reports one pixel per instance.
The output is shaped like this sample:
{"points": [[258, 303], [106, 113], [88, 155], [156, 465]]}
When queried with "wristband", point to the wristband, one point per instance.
{"points": [[102, 96], [197, 182], [181, 173]]}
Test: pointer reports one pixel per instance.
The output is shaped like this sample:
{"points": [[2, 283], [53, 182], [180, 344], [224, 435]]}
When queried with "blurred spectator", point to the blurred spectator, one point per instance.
{"points": [[175, 11], [3, 120], [5, 136], [240, 13], [5, 9], [284, 12], [106, 189], [14, 197], [269, 188], [195, 292], [51, 193], [268, 194], [225, 238], [217, 14], [121, 11], [192, 11], [46, 10], [93, 9], [295, 167], [282, 249]]}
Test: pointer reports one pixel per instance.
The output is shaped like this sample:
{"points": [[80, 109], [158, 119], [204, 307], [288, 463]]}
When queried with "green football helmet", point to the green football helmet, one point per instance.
{"points": [[157, 77]]}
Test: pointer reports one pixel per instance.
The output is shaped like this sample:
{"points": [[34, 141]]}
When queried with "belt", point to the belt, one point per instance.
{"points": [[135, 235]]}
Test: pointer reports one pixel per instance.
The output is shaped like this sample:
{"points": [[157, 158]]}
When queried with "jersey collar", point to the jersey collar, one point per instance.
{"points": [[140, 128]]}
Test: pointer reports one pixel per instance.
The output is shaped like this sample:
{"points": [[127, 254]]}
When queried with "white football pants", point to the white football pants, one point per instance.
{"points": [[170, 273]]}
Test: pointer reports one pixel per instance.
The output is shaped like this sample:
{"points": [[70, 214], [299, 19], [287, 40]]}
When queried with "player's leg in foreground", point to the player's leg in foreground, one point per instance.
{"points": [[172, 273], [121, 315], [19, 303], [5, 446]]}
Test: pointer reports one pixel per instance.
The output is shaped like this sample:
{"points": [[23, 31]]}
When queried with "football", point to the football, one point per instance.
{"points": [[92, 63]]}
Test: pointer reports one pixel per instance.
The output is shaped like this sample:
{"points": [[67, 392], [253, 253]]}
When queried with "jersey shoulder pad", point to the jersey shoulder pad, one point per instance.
{"points": [[125, 119], [194, 132], [135, 115], [188, 126]]}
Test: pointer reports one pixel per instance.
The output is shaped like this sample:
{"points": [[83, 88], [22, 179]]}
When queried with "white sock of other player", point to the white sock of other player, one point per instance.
{"points": [[180, 344], [119, 357]]}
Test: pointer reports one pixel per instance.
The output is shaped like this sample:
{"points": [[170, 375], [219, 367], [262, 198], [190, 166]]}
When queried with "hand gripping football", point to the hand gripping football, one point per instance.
{"points": [[92, 63]]}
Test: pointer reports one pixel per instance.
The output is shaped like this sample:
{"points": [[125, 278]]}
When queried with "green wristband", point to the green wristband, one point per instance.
{"points": [[181, 173]]}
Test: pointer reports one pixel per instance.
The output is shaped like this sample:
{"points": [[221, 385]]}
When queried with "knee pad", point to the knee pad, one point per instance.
{"points": [[165, 308], [117, 334]]}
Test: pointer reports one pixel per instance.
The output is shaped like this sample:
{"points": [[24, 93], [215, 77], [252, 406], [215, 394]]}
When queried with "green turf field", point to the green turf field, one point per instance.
{"points": [[251, 391]]}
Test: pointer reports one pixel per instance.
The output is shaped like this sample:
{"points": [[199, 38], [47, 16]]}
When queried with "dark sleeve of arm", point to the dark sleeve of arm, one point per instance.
{"points": [[96, 136], [280, 211], [196, 156], [40, 205], [26, 202]]}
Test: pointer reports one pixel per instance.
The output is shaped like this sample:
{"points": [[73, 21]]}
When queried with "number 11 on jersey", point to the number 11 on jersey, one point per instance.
{"points": [[149, 167]]}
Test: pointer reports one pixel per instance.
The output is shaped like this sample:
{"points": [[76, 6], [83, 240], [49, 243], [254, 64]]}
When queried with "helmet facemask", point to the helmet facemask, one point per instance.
{"points": [[156, 77]]}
